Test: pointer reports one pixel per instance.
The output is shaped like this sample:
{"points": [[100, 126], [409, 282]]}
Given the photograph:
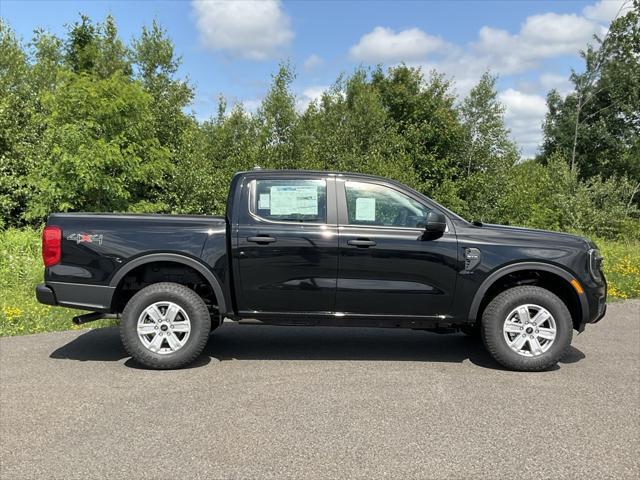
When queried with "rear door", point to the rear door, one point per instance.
{"points": [[387, 267], [287, 246]]}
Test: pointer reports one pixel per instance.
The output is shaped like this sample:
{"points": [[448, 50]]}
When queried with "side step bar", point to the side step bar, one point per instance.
{"points": [[91, 317]]}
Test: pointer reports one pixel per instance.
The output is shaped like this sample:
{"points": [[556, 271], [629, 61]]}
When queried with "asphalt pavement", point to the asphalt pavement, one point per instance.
{"points": [[295, 402]]}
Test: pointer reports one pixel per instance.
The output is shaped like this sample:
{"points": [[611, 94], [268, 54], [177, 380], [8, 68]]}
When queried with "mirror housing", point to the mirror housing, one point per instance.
{"points": [[435, 225]]}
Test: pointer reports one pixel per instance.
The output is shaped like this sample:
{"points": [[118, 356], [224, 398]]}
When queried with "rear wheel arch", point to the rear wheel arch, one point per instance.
{"points": [[117, 281], [553, 278]]}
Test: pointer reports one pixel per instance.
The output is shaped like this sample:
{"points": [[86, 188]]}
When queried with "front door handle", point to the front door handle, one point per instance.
{"points": [[362, 243], [261, 239]]}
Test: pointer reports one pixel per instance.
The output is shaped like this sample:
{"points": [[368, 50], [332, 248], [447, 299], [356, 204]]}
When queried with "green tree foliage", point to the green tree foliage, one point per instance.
{"points": [[156, 65], [597, 126], [88, 122], [277, 119], [489, 153], [19, 130], [98, 152]]}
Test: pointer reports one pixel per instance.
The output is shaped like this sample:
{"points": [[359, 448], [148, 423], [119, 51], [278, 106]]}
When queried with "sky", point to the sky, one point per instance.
{"points": [[233, 47]]}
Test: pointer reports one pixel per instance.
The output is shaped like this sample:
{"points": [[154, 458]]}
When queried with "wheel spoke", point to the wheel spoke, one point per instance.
{"points": [[519, 342], [512, 327], [173, 341], [147, 328], [181, 326], [546, 333], [172, 311], [541, 317], [523, 313], [156, 343], [154, 313], [536, 349]]}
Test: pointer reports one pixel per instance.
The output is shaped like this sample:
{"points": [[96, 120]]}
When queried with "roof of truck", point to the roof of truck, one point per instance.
{"points": [[309, 172]]}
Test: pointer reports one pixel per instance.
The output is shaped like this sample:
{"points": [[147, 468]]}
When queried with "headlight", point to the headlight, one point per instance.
{"points": [[595, 264]]}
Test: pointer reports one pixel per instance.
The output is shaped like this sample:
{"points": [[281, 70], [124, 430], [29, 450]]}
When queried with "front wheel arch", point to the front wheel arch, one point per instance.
{"points": [[551, 277]]}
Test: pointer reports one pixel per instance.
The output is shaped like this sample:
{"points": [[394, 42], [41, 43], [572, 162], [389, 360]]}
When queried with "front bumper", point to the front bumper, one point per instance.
{"points": [[45, 295], [602, 309]]}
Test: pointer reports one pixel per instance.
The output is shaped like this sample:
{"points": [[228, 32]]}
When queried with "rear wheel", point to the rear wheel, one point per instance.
{"points": [[165, 325], [527, 328]]}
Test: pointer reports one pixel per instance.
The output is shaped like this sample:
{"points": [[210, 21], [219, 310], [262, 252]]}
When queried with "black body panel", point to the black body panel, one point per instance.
{"points": [[325, 271]]}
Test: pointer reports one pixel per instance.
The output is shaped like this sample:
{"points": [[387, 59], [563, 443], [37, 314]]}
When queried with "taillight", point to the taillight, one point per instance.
{"points": [[51, 245]]}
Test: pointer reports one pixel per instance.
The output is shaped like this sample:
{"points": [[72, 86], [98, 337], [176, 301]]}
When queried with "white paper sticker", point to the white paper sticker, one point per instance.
{"points": [[263, 201], [366, 209], [287, 200]]}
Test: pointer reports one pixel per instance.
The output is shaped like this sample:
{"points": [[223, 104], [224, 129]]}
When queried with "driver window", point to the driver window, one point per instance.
{"points": [[371, 204]]}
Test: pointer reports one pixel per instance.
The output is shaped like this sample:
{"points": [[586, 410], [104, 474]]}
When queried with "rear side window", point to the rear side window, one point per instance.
{"points": [[291, 200], [371, 204]]}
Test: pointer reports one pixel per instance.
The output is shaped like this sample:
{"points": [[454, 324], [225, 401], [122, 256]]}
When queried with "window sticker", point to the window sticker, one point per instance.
{"points": [[287, 200], [366, 209], [264, 201]]}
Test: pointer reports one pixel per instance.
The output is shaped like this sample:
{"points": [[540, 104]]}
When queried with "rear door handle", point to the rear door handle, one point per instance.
{"points": [[362, 243], [261, 239]]}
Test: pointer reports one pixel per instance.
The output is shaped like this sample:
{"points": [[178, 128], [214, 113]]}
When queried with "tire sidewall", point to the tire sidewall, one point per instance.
{"points": [[496, 314], [166, 292]]}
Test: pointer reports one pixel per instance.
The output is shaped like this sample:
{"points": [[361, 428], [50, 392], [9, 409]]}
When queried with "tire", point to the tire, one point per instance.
{"points": [[165, 326], [504, 322]]}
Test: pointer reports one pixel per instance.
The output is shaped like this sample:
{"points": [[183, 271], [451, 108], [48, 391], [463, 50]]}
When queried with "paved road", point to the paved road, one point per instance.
{"points": [[280, 402]]}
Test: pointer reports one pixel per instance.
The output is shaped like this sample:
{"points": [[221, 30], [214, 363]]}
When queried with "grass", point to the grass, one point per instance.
{"points": [[621, 267], [21, 269]]}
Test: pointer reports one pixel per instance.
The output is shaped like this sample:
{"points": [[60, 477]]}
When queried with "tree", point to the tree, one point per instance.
{"points": [[426, 116], [157, 65], [19, 127], [98, 154], [277, 118], [597, 126], [488, 145], [489, 152]]}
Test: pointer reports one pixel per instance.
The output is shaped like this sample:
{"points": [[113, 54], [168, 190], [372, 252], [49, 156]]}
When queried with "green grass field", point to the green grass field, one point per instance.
{"points": [[21, 269]]}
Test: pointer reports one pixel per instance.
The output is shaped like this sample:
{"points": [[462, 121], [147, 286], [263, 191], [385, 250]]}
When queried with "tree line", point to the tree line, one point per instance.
{"points": [[89, 123]]}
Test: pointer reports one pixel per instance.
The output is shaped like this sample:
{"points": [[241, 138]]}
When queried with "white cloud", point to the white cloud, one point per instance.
{"points": [[308, 95], [606, 10], [561, 83], [545, 82], [252, 105], [386, 46], [540, 37], [524, 115], [250, 29], [312, 61]]}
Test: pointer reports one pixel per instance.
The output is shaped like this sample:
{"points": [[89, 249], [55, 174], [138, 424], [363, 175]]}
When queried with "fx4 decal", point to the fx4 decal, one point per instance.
{"points": [[85, 238]]}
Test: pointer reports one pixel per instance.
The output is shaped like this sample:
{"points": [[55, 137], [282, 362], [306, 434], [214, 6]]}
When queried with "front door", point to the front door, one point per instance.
{"points": [[387, 267], [287, 247]]}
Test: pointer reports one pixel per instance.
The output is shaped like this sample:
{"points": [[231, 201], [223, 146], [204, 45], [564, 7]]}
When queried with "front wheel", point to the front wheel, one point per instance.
{"points": [[527, 328], [165, 325]]}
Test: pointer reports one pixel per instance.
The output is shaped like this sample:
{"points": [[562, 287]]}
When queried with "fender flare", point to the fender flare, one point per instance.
{"points": [[515, 267], [176, 258]]}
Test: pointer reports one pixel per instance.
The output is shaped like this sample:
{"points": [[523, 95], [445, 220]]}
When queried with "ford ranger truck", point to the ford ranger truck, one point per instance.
{"points": [[321, 248]]}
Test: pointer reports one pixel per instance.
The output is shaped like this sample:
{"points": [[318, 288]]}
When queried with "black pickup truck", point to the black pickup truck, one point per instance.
{"points": [[322, 248]]}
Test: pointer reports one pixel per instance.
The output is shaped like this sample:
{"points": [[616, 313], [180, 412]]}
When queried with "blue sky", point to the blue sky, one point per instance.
{"points": [[232, 48]]}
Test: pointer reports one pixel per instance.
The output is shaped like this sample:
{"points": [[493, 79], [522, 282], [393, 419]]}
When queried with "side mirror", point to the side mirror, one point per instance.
{"points": [[435, 225]]}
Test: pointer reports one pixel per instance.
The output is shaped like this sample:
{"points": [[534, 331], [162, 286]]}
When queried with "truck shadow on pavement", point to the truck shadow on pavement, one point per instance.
{"points": [[247, 342]]}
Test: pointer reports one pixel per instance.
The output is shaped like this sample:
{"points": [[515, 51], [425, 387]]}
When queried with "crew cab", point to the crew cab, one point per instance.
{"points": [[323, 248]]}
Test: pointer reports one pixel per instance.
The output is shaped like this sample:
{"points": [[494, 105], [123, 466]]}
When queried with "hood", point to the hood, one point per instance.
{"points": [[541, 235]]}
